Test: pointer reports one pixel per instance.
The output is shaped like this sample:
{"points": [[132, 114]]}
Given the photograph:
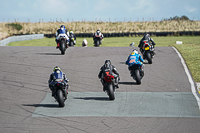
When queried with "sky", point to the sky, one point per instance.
{"points": [[93, 10]]}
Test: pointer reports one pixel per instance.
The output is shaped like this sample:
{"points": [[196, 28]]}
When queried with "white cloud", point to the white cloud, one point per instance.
{"points": [[191, 9]]}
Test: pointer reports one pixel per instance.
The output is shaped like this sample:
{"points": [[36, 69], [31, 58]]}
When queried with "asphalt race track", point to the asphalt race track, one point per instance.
{"points": [[163, 103]]}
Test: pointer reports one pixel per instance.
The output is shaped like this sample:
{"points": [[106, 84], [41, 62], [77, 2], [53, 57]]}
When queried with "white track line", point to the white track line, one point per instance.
{"points": [[189, 77]]}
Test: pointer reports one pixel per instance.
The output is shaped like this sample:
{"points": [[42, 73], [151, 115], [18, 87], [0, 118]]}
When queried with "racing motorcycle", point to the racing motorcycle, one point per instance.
{"points": [[136, 72], [71, 41], [109, 86], [148, 52], [63, 44], [97, 40], [60, 92]]}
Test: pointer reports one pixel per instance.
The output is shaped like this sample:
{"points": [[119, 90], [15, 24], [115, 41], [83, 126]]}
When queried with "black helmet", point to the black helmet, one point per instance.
{"points": [[108, 62], [147, 35]]}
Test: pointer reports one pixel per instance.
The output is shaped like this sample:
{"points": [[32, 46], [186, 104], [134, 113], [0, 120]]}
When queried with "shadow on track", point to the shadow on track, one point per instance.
{"points": [[43, 105], [128, 83], [48, 53], [93, 98]]}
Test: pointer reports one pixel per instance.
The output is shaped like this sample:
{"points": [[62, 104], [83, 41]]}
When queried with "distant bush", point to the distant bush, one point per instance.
{"points": [[176, 18], [16, 26]]}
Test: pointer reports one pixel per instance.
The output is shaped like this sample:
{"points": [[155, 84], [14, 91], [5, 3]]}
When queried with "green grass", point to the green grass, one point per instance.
{"points": [[190, 49]]}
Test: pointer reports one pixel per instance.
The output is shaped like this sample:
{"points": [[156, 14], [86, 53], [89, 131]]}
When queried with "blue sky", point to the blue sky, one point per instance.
{"points": [[92, 10]]}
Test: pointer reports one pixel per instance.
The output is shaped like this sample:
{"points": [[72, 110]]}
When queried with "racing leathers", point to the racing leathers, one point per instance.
{"points": [[146, 38], [98, 33], [112, 71], [63, 33], [135, 59], [73, 36], [58, 76]]}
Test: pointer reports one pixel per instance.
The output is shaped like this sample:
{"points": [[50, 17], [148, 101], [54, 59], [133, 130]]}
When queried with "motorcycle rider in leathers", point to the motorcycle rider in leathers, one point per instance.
{"points": [[58, 74], [113, 71], [147, 38], [61, 32], [71, 33], [135, 58], [98, 32]]}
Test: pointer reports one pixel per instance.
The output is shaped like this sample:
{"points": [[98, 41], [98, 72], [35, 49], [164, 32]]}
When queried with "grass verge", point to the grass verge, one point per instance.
{"points": [[190, 49]]}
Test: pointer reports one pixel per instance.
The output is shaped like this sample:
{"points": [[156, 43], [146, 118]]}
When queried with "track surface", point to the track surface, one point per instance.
{"points": [[24, 72]]}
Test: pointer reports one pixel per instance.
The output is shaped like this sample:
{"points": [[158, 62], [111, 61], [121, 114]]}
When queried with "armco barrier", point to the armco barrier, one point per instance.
{"points": [[178, 33], [20, 38]]}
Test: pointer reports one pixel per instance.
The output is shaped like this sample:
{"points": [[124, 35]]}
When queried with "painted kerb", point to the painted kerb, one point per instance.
{"points": [[20, 38]]}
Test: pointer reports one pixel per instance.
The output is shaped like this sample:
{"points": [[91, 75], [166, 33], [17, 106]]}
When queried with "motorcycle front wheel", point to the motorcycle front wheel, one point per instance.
{"points": [[110, 92]]}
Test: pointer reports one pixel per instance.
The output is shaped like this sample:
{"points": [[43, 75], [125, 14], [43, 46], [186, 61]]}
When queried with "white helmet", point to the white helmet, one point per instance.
{"points": [[135, 51], [84, 43]]}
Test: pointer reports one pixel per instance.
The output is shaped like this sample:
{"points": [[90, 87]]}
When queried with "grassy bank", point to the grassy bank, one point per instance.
{"points": [[190, 49]]}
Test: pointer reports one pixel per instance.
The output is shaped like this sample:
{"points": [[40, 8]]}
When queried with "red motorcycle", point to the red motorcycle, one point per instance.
{"points": [[148, 52], [109, 85]]}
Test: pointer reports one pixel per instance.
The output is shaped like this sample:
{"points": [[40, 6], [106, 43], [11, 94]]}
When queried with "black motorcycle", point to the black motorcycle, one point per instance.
{"points": [[97, 40], [60, 93], [63, 44], [148, 52], [136, 72], [71, 41]]}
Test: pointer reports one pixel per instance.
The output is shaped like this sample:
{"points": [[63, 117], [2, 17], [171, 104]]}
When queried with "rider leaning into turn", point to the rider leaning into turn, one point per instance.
{"points": [[98, 32], [62, 31], [107, 67], [71, 33], [146, 38], [57, 74], [134, 59]]}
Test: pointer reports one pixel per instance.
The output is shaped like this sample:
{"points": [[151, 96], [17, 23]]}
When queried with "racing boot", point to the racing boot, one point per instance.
{"points": [[58, 44]]}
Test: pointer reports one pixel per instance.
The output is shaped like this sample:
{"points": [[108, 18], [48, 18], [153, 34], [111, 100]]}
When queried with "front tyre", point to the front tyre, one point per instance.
{"points": [[137, 76], [60, 98], [110, 90]]}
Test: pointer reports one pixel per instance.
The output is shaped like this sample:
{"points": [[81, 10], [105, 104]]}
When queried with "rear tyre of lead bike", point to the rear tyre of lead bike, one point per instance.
{"points": [[60, 98], [62, 48], [137, 76], [110, 90], [148, 56], [71, 43]]}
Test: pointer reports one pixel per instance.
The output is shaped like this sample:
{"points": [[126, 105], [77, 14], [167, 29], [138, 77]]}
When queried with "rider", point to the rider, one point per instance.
{"points": [[107, 67], [98, 32], [146, 38], [71, 33], [58, 74], [135, 58], [62, 31]]}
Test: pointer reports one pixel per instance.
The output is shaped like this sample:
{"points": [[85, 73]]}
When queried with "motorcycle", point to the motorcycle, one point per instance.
{"points": [[63, 44], [148, 52], [136, 72], [97, 40], [71, 41], [109, 86], [60, 92]]}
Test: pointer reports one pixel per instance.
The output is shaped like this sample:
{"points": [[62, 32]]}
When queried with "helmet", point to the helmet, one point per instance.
{"points": [[98, 31], [147, 35], [71, 32], [134, 52], [56, 68], [62, 27], [108, 62]]}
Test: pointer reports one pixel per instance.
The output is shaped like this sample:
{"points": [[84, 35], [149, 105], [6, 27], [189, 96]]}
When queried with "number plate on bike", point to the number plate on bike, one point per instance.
{"points": [[147, 48]]}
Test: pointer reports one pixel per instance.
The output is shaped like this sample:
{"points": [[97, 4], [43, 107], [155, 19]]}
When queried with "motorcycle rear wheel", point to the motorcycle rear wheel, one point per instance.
{"points": [[137, 76], [60, 98], [148, 56], [110, 92]]}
